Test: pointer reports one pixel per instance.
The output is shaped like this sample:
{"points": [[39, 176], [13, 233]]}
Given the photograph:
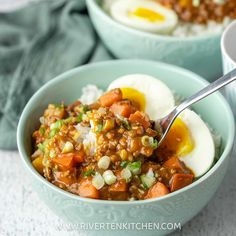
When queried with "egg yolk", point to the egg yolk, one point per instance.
{"points": [[135, 96], [147, 14], [178, 140]]}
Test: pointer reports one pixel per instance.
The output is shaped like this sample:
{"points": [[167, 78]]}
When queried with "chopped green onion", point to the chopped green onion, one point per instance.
{"points": [[145, 185], [56, 125], [149, 142], [124, 121], [88, 113], [126, 174], [84, 108], [154, 144], [79, 117], [104, 162], [53, 132], [89, 173], [98, 181], [59, 123], [126, 124], [68, 120], [41, 147], [42, 131], [109, 177], [146, 140], [147, 181], [135, 167], [99, 128], [123, 164]]}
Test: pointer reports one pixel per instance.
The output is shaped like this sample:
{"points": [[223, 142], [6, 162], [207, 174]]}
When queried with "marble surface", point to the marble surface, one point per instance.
{"points": [[22, 212]]}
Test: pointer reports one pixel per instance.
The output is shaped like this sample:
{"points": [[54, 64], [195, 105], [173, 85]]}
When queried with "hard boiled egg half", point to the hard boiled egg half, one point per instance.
{"points": [[149, 94], [191, 140], [145, 15]]}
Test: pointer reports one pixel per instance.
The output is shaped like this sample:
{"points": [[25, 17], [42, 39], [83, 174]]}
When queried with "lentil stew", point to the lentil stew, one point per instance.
{"points": [[105, 150], [202, 11]]}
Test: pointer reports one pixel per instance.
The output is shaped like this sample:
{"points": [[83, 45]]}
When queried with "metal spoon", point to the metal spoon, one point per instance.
{"points": [[166, 122]]}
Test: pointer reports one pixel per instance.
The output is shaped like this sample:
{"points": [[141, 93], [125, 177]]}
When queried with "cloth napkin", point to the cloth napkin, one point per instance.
{"points": [[37, 43]]}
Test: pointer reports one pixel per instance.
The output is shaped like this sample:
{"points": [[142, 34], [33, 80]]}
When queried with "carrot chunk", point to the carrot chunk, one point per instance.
{"points": [[179, 181], [157, 190], [123, 108], [174, 163], [86, 189], [107, 99], [79, 156], [118, 190], [63, 177], [66, 161], [119, 186], [141, 118]]}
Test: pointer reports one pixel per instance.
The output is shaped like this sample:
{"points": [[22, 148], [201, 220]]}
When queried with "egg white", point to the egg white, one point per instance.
{"points": [[201, 158], [120, 9], [159, 98]]}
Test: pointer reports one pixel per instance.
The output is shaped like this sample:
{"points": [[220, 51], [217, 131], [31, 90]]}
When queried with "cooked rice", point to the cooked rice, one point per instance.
{"points": [[187, 29], [90, 93]]}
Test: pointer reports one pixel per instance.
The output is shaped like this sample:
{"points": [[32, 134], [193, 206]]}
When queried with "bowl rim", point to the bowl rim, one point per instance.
{"points": [[93, 4], [77, 70]]}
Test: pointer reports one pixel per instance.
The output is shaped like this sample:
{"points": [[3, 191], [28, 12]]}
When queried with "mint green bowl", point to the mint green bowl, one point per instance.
{"points": [[178, 207], [199, 54]]}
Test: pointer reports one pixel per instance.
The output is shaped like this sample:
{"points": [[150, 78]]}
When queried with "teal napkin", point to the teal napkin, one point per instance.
{"points": [[37, 43]]}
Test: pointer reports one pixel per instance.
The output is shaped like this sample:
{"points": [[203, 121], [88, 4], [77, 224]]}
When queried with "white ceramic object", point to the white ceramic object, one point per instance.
{"points": [[228, 49]]}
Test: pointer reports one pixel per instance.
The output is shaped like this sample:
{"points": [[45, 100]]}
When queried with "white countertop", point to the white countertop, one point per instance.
{"points": [[23, 213]]}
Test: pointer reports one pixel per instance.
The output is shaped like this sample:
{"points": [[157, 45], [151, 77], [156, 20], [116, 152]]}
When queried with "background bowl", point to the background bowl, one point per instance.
{"points": [[200, 54], [177, 207]]}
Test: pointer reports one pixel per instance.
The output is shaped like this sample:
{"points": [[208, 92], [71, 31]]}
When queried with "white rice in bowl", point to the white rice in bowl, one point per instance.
{"points": [[90, 94], [184, 29]]}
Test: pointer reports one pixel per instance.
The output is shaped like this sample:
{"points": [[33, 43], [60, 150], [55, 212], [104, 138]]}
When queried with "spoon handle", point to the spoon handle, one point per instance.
{"points": [[211, 88], [165, 123]]}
